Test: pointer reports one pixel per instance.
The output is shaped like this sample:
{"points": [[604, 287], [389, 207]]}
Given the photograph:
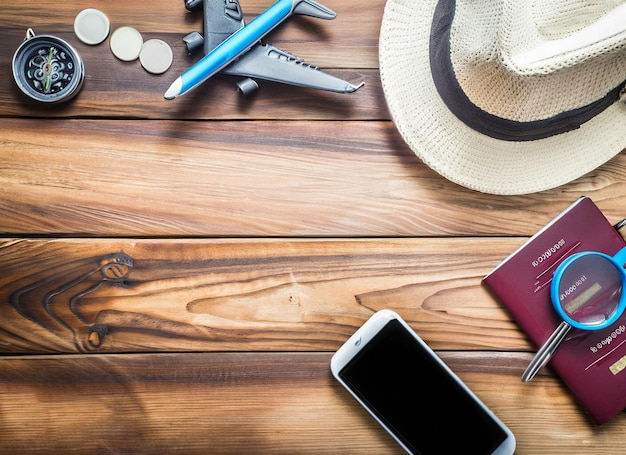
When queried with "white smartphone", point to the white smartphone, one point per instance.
{"points": [[413, 394]]}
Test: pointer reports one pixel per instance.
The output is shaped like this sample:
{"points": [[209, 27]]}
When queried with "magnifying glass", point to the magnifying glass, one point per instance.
{"points": [[587, 291]]}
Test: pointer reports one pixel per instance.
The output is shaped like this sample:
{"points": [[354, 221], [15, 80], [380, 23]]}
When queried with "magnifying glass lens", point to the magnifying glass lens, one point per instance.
{"points": [[590, 290]]}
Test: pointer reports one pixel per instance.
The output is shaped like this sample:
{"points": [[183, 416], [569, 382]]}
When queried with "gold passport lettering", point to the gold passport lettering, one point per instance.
{"points": [[618, 366]]}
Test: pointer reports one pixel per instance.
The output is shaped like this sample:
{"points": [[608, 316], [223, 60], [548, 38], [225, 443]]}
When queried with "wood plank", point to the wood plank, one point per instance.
{"points": [[71, 295], [176, 275], [345, 47], [165, 16], [238, 402], [147, 178]]}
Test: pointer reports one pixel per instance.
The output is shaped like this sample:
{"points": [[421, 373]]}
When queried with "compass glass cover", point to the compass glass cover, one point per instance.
{"points": [[48, 69]]}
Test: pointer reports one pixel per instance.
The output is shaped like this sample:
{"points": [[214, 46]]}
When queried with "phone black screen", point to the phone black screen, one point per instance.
{"points": [[417, 399]]}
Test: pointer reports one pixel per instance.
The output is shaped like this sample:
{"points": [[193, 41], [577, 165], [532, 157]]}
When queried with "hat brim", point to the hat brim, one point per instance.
{"points": [[461, 154]]}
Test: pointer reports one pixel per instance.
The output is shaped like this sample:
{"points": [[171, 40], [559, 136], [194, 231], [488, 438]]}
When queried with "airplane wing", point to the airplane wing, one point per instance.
{"points": [[222, 18]]}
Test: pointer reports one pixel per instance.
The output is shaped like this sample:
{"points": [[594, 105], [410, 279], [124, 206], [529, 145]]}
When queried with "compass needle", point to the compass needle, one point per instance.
{"points": [[48, 70]]}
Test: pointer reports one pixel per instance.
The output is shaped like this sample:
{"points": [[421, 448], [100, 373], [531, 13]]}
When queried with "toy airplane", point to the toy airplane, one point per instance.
{"points": [[234, 48]]}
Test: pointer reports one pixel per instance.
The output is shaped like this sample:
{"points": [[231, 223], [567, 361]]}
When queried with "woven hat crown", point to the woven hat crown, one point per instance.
{"points": [[535, 59], [543, 36]]}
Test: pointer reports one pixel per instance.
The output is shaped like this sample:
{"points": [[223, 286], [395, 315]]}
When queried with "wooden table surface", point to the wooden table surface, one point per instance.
{"points": [[175, 275]]}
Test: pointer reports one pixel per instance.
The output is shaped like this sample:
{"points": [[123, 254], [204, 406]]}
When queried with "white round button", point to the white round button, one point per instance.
{"points": [[156, 56], [91, 26], [126, 43]]}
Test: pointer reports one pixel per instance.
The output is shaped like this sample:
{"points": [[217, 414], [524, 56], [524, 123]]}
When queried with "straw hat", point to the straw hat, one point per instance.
{"points": [[507, 96]]}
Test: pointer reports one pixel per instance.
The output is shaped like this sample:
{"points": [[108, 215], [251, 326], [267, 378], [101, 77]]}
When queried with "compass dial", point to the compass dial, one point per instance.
{"points": [[47, 69]]}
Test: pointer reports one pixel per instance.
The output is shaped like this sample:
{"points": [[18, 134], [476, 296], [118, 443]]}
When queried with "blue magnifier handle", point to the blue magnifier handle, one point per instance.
{"points": [[544, 354]]}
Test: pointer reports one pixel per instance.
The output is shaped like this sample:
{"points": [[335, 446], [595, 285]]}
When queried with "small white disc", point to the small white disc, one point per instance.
{"points": [[126, 43], [91, 26], [156, 56]]}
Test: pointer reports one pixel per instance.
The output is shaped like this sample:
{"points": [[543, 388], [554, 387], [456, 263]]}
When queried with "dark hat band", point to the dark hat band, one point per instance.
{"points": [[485, 123]]}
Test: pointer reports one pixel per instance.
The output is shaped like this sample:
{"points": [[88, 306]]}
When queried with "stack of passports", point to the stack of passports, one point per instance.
{"points": [[591, 363]]}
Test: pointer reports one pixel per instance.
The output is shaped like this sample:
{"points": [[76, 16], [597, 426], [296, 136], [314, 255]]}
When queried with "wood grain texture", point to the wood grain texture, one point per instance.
{"points": [[261, 178], [174, 276], [281, 295], [252, 403]]}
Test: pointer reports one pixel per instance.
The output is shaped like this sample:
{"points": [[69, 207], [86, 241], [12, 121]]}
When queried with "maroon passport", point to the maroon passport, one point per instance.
{"points": [[591, 363]]}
